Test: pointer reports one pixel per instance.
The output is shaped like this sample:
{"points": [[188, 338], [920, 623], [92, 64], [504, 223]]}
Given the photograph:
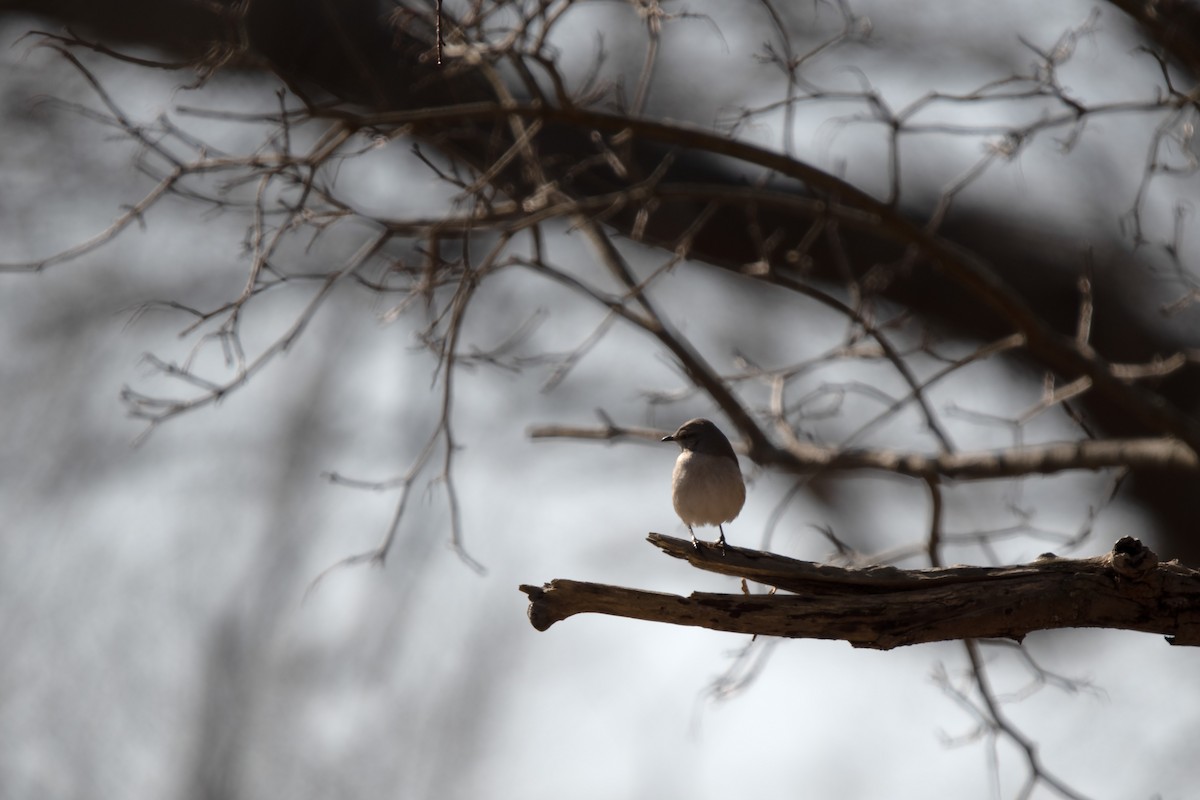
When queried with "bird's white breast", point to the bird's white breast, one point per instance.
{"points": [[707, 489]]}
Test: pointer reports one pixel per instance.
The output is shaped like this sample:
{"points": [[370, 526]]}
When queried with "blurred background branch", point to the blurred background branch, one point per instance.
{"points": [[903, 250]]}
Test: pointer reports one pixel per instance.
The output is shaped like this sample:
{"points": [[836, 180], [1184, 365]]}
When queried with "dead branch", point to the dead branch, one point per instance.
{"points": [[884, 607]]}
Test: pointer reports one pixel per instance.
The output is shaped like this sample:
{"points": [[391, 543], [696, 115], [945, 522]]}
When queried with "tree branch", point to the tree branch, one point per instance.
{"points": [[805, 458], [883, 607]]}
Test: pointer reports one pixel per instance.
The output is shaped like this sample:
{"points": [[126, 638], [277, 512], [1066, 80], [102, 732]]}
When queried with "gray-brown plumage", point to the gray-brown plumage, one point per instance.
{"points": [[706, 486]]}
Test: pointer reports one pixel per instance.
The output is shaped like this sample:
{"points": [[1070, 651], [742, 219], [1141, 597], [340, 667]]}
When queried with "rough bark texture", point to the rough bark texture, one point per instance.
{"points": [[884, 607]]}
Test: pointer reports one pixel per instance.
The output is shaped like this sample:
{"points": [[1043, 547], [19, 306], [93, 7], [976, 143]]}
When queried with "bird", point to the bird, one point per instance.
{"points": [[706, 485]]}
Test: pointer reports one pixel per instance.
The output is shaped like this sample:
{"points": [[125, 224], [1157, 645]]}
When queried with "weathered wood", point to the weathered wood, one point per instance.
{"points": [[884, 607]]}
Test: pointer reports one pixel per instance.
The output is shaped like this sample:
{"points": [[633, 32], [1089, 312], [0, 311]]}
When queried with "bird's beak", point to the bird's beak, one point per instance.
{"points": [[669, 438]]}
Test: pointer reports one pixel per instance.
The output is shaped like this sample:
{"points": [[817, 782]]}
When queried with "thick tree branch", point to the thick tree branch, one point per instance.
{"points": [[351, 52], [1174, 25], [885, 607]]}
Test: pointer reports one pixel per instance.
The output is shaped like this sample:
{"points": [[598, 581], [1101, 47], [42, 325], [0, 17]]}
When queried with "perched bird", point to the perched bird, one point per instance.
{"points": [[706, 486]]}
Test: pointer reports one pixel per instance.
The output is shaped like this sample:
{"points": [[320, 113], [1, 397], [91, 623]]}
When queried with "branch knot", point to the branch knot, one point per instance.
{"points": [[1132, 559]]}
